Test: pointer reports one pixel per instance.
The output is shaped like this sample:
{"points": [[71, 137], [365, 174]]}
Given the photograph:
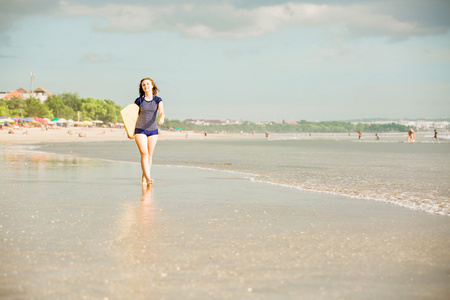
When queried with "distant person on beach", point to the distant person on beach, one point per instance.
{"points": [[146, 132], [411, 135], [435, 135], [359, 134], [377, 136]]}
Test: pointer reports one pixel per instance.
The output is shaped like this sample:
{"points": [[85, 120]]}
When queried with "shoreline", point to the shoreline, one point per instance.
{"points": [[252, 177], [41, 137], [37, 135], [97, 134]]}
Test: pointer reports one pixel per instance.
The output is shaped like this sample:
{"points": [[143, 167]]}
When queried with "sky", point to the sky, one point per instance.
{"points": [[255, 60]]}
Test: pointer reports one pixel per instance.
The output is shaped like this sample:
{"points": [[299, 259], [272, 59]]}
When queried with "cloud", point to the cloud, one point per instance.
{"points": [[26, 7], [239, 19], [227, 21], [12, 11]]}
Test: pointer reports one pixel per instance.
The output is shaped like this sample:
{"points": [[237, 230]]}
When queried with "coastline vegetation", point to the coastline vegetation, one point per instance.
{"points": [[66, 105], [71, 106], [300, 127]]}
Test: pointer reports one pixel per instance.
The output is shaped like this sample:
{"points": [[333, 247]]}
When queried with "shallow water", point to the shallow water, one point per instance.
{"points": [[413, 175], [80, 228]]}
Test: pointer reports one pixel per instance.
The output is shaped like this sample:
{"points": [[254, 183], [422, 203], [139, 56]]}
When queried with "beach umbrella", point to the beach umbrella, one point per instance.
{"points": [[97, 122], [28, 120], [69, 122], [62, 120], [55, 119]]}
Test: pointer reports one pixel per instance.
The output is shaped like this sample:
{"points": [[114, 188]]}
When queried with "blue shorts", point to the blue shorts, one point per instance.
{"points": [[146, 132]]}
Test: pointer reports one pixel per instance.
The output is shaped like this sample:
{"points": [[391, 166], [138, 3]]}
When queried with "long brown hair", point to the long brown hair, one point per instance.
{"points": [[155, 89]]}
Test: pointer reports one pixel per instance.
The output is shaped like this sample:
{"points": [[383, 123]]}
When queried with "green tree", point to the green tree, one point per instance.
{"points": [[92, 108], [112, 112], [33, 108], [59, 107], [68, 105], [15, 106], [72, 100], [4, 110]]}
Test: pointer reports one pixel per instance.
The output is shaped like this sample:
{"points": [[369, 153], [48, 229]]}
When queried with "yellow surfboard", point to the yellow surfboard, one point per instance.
{"points": [[130, 115]]}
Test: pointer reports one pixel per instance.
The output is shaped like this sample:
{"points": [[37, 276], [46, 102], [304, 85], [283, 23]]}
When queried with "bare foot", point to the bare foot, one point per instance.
{"points": [[147, 183]]}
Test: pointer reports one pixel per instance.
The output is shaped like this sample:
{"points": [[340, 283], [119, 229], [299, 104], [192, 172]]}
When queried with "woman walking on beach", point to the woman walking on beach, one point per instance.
{"points": [[146, 132]]}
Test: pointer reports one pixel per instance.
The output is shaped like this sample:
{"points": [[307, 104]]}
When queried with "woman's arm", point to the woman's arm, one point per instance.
{"points": [[161, 113]]}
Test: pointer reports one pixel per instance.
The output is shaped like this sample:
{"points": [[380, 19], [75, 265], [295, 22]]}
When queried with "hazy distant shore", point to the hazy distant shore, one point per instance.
{"points": [[96, 134]]}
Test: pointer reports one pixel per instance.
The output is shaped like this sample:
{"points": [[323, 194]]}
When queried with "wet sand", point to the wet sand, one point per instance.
{"points": [[78, 228]]}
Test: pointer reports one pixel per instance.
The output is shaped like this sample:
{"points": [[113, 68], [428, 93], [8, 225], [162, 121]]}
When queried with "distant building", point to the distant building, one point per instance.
{"points": [[211, 122], [21, 90], [13, 94], [232, 122], [42, 94], [39, 93]]}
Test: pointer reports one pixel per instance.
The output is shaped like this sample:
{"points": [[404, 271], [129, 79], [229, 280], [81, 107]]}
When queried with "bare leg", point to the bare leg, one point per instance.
{"points": [[151, 147], [142, 143]]}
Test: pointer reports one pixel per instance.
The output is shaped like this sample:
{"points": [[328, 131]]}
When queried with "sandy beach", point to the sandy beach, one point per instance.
{"points": [[74, 227], [97, 134]]}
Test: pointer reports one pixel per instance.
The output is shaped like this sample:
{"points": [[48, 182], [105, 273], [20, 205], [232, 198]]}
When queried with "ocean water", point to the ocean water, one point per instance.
{"points": [[220, 221], [413, 175]]}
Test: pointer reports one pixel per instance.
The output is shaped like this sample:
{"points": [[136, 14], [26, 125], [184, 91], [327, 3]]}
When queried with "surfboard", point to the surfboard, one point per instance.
{"points": [[129, 116]]}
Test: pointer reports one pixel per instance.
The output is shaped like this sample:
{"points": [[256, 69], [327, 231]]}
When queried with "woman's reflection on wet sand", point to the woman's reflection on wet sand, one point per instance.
{"points": [[135, 248], [146, 207]]}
